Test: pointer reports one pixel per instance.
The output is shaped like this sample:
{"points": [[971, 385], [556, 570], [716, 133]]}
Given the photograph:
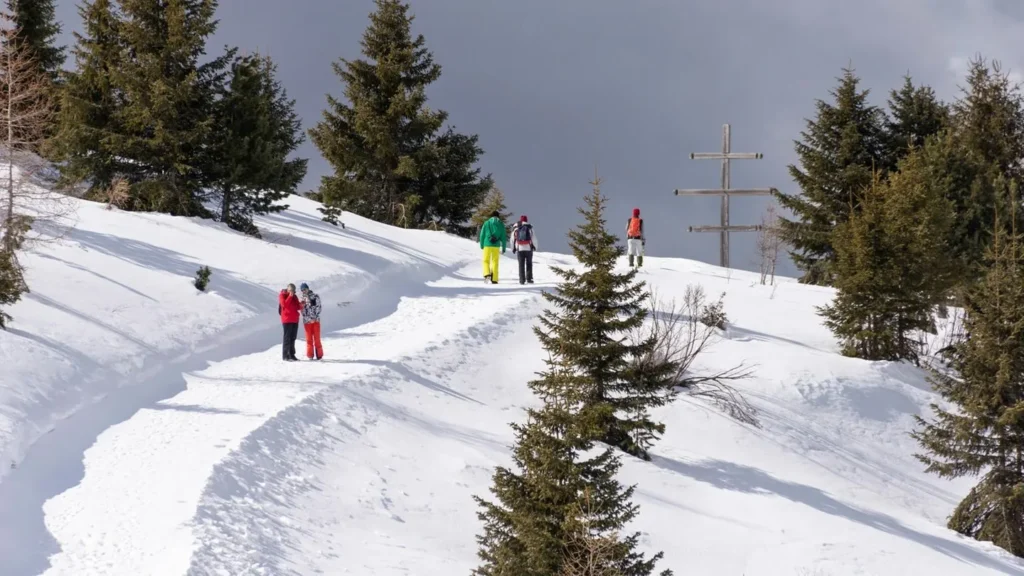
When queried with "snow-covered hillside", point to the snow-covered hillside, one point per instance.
{"points": [[153, 429]]}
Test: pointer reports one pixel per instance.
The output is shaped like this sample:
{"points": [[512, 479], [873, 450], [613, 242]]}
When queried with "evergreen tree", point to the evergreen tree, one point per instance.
{"points": [[165, 123], [593, 315], [986, 145], [986, 383], [89, 103], [915, 115], [448, 185], [37, 27], [493, 202], [383, 144], [840, 148], [550, 509], [891, 266], [256, 130]]}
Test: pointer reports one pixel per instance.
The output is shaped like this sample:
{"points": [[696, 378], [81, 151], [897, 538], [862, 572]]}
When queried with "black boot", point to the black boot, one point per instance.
{"points": [[630, 260], [640, 261]]}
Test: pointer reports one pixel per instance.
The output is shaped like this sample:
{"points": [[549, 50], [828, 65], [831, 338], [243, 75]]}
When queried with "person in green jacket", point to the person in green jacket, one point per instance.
{"points": [[492, 236]]}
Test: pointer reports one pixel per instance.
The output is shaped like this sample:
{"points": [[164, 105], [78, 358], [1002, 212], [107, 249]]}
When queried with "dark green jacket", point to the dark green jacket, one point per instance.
{"points": [[493, 234]]}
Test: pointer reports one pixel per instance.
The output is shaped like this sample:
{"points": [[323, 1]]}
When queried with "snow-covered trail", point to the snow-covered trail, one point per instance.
{"points": [[132, 511]]}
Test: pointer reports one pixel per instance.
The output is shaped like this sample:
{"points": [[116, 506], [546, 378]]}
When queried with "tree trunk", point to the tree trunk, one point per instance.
{"points": [[225, 207]]}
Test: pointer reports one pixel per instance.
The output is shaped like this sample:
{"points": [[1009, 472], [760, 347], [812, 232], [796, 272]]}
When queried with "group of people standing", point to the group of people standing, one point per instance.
{"points": [[305, 304], [524, 244], [291, 307]]}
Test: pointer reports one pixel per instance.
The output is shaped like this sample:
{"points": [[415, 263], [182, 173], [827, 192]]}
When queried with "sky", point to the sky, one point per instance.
{"points": [[558, 89]]}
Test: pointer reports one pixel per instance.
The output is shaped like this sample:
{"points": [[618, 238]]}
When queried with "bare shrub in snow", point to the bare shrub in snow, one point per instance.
{"points": [[711, 315], [118, 194], [682, 335], [769, 242]]}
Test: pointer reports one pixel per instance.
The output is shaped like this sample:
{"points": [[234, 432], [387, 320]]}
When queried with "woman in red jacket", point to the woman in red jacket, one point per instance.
{"points": [[289, 306]]}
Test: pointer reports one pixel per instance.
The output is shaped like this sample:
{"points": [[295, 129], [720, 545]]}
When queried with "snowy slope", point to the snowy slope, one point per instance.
{"points": [[192, 449]]}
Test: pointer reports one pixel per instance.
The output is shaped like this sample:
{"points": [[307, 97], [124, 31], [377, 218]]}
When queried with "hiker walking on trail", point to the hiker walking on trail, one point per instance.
{"points": [[524, 243], [311, 322], [289, 306], [635, 240], [492, 236]]}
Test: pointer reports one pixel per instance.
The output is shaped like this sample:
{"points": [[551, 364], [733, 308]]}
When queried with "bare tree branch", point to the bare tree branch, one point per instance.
{"points": [[769, 241], [681, 338], [589, 552]]}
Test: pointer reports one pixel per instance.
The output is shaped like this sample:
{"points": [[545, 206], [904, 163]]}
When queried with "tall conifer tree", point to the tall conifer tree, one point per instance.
{"points": [[166, 120], [986, 383], [384, 145], [89, 102], [841, 147], [256, 130]]}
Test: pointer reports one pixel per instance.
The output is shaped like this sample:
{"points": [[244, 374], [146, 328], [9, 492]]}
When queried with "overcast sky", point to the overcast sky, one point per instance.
{"points": [[554, 87]]}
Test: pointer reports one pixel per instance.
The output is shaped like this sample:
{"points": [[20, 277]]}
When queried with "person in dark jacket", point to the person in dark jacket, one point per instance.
{"points": [[524, 243], [311, 322], [289, 306]]}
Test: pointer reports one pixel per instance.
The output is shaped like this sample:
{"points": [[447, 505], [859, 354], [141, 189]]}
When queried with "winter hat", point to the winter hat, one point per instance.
{"points": [[304, 286], [495, 214], [636, 212], [523, 218]]}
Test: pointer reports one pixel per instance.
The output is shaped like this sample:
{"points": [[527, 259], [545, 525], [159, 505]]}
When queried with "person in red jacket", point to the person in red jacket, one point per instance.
{"points": [[289, 306]]}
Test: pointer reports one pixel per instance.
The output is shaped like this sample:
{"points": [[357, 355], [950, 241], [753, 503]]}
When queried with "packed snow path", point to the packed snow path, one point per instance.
{"points": [[210, 455]]}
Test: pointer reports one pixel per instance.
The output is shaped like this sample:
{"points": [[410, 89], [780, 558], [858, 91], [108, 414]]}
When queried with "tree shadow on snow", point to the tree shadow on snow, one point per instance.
{"points": [[747, 480], [408, 374]]}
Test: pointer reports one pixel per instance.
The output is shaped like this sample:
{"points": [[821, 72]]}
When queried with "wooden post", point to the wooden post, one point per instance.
{"points": [[725, 192]]}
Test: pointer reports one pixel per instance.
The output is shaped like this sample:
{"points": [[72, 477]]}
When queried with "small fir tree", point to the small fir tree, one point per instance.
{"points": [[592, 314], [891, 266], [89, 102], [494, 202], [840, 148], [535, 528], [915, 114], [985, 382], [256, 130]]}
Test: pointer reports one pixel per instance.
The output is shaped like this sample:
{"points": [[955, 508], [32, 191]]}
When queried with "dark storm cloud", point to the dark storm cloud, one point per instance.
{"points": [[554, 88]]}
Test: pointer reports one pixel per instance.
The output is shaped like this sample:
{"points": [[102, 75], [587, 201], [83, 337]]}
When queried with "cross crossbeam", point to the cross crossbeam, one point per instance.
{"points": [[726, 156]]}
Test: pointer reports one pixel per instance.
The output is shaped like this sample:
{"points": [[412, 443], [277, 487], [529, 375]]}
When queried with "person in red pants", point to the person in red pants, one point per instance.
{"points": [[311, 320], [289, 306]]}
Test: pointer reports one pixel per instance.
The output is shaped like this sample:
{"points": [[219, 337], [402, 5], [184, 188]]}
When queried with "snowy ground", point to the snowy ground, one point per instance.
{"points": [[190, 448]]}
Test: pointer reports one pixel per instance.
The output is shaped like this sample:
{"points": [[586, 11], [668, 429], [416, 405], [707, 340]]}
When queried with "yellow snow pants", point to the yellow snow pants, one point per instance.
{"points": [[491, 256]]}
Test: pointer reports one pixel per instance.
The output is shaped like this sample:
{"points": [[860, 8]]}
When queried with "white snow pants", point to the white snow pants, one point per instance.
{"points": [[634, 247]]}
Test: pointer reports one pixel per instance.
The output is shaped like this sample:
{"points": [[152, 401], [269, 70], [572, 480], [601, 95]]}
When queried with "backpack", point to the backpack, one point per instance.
{"points": [[524, 234], [635, 228]]}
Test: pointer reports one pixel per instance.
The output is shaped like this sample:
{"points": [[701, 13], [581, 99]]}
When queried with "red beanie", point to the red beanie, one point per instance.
{"points": [[636, 212], [522, 218]]}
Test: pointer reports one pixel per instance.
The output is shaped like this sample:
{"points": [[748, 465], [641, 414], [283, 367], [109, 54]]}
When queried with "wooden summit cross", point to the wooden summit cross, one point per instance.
{"points": [[725, 192]]}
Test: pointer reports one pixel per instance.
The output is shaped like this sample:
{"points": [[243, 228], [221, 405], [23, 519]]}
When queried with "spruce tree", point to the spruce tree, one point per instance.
{"points": [[89, 103], [493, 202], [594, 314], [986, 145], [38, 29], [256, 130], [891, 266], [447, 183], [557, 499], [841, 147], [915, 114], [383, 144], [165, 122], [985, 382]]}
